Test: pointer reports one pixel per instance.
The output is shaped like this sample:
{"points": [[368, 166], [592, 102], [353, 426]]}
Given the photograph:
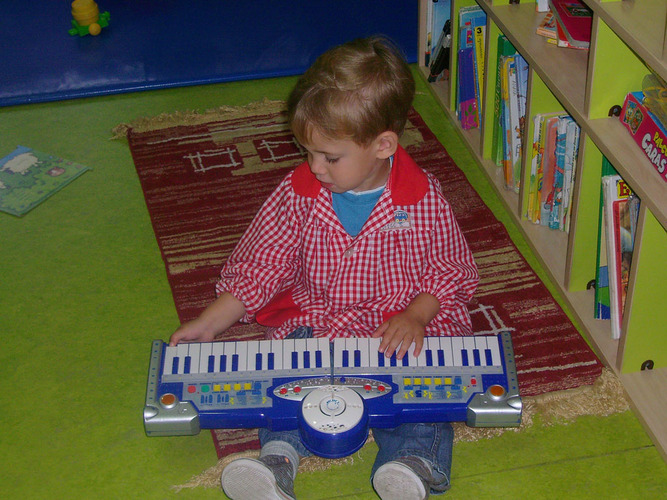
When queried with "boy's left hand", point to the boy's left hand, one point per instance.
{"points": [[398, 333]]}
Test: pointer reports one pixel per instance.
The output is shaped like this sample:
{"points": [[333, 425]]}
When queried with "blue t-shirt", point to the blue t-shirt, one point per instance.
{"points": [[353, 209]]}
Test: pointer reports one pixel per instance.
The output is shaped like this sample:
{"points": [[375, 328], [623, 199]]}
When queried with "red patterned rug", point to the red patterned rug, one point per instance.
{"points": [[204, 180]]}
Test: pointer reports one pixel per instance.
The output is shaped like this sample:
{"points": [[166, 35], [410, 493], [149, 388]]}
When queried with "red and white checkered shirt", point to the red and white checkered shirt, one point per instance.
{"points": [[296, 266]]}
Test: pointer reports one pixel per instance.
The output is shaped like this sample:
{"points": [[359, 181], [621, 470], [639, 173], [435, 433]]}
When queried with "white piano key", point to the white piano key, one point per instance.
{"points": [[312, 346], [351, 347], [230, 351], [277, 347], [168, 364], [217, 350], [181, 353], [492, 343], [339, 347], [242, 351], [457, 347], [324, 347], [421, 359], [373, 346], [469, 347], [193, 353], [264, 349], [481, 345], [204, 353], [288, 348], [299, 348], [448, 349], [364, 348], [252, 348]]}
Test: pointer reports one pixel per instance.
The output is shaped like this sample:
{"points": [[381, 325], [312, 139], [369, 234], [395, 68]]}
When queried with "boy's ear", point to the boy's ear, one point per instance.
{"points": [[387, 144]]}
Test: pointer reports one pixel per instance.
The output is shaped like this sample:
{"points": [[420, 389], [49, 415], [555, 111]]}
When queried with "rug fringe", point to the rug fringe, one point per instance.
{"points": [[190, 117], [603, 398]]}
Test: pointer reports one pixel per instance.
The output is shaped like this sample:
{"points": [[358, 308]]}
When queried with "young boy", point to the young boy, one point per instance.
{"points": [[356, 242]]}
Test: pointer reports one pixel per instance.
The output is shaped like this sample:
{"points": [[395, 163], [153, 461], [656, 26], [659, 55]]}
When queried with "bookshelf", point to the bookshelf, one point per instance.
{"points": [[627, 38]]}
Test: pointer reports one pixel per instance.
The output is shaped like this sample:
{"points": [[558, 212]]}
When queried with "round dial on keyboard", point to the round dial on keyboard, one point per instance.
{"points": [[333, 422], [332, 405]]}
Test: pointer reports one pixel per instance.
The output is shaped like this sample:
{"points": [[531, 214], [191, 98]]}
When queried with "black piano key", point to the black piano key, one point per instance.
{"points": [[235, 362], [429, 358], [357, 358], [489, 357], [464, 358], [174, 366], [392, 360], [186, 364], [441, 357], [346, 359], [223, 362], [318, 359], [306, 359], [270, 361], [380, 358], [258, 361], [476, 358], [211, 363], [295, 360]]}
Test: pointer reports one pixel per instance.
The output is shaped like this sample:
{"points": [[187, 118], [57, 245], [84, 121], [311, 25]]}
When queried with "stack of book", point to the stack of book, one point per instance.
{"points": [[567, 24], [552, 169]]}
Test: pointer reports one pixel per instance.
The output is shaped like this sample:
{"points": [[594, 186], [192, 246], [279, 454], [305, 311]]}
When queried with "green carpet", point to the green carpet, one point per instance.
{"points": [[84, 292]]}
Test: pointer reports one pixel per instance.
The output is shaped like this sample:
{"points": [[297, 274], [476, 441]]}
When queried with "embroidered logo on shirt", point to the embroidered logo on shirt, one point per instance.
{"points": [[401, 221]]}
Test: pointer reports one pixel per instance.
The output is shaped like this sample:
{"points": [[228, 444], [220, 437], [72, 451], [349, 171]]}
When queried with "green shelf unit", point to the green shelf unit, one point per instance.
{"points": [[627, 39]]}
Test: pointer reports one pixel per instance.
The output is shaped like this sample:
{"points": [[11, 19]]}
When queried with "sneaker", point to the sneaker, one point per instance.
{"points": [[402, 479], [269, 478]]}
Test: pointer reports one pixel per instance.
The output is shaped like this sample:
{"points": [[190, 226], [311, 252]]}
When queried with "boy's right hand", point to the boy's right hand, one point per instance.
{"points": [[192, 331], [216, 318]]}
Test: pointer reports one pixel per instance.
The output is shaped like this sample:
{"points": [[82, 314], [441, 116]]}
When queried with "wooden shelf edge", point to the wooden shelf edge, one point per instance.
{"points": [[634, 24], [646, 390]]}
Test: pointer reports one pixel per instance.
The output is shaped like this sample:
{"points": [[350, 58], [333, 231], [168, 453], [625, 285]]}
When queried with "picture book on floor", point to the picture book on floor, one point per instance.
{"points": [[28, 177]]}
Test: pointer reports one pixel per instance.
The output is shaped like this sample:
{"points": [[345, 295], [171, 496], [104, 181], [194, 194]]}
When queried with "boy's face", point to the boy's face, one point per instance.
{"points": [[342, 165]]}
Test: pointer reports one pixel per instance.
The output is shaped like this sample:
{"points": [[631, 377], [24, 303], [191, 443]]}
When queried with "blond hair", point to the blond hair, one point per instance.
{"points": [[354, 91]]}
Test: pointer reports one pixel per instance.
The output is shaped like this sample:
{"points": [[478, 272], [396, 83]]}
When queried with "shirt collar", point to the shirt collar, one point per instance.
{"points": [[407, 182]]}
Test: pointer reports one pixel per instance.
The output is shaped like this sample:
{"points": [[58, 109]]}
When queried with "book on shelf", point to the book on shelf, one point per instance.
{"points": [[470, 17], [571, 153], [438, 13], [547, 28], [555, 221], [646, 130], [505, 48], [621, 208], [467, 106], [439, 67], [573, 22], [441, 40], [479, 48], [514, 84], [542, 5], [601, 301]]}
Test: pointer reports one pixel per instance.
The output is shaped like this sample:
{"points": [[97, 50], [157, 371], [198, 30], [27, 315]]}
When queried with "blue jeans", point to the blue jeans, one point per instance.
{"points": [[432, 442]]}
